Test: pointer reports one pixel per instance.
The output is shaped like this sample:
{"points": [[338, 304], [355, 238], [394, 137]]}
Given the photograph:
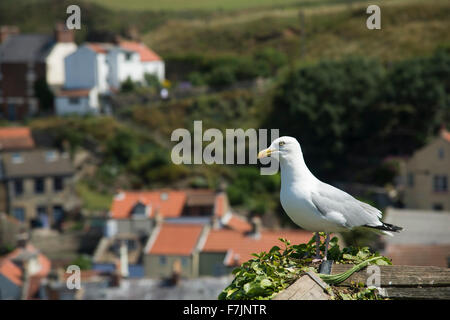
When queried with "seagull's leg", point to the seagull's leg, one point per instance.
{"points": [[317, 258], [327, 241]]}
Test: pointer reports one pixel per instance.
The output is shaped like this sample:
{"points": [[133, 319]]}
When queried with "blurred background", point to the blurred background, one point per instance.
{"points": [[86, 117]]}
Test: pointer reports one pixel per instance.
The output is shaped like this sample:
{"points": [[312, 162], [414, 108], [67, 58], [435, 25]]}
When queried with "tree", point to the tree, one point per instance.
{"points": [[326, 107]]}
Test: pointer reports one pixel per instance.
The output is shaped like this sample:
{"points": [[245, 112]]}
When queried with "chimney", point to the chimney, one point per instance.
{"points": [[215, 222], [176, 272], [62, 34], [256, 227], [6, 31], [124, 259], [159, 219], [26, 280]]}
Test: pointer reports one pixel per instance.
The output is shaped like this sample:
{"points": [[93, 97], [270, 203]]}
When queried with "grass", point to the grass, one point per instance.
{"points": [[409, 28], [92, 199], [209, 5]]}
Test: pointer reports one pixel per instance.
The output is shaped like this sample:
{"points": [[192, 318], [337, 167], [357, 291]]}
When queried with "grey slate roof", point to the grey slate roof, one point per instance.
{"points": [[419, 227], [26, 48], [204, 288], [34, 163]]}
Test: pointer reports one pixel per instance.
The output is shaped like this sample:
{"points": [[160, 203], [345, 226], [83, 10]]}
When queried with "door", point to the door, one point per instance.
{"points": [[11, 112], [43, 217]]}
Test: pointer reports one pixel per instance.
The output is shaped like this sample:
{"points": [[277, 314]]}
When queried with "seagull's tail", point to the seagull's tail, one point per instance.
{"points": [[385, 228]]}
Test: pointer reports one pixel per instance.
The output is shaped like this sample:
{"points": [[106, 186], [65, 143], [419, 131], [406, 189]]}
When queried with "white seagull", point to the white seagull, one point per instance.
{"points": [[317, 206]]}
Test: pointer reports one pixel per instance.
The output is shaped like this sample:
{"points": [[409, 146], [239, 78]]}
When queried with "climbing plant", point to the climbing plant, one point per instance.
{"points": [[270, 272]]}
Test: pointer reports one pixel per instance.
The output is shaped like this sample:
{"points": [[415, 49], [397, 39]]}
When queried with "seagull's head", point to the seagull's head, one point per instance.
{"points": [[283, 147]]}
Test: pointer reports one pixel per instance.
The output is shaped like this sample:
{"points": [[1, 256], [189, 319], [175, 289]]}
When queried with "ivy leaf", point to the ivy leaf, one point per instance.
{"points": [[265, 283]]}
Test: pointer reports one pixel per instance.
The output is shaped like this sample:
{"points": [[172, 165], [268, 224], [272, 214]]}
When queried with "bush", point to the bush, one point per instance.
{"points": [[128, 86], [222, 76], [196, 79]]}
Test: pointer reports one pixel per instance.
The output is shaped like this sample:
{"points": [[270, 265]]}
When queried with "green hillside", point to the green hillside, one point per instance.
{"points": [[408, 29], [211, 5]]}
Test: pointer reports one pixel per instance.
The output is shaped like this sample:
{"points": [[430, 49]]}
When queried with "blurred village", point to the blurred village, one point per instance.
{"points": [[82, 181]]}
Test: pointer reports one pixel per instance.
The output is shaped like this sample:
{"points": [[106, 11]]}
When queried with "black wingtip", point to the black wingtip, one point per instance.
{"points": [[387, 227]]}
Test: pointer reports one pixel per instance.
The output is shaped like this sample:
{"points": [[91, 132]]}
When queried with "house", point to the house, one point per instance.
{"points": [[27, 60], [12, 139], [96, 70], [136, 216], [136, 211], [227, 248], [425, 240], [195, 250], [122, 253], [39, 186], [22, 273], [425, 176], [173, 244]]}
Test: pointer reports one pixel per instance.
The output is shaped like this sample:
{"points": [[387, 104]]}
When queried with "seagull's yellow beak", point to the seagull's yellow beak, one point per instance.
{"points": [[264, 153]]}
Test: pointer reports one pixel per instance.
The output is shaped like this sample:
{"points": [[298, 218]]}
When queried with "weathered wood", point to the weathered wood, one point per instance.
{"points": [[307, 287], [400, 276], [433, 293]]}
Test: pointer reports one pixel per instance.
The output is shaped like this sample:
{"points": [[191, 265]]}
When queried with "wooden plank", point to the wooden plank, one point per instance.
{"points": [[305, 288], [433, 293], [406, 276]]}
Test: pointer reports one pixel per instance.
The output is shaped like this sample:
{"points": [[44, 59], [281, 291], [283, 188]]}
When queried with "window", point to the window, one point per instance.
{"points": [[441, 153], [438, 207], [58, 184], [440, 183], [184, 261], [139, 210], [74, 100], [58, 214], [18, 187], [50, 156], [16, 158], [164, 196], [410, 179], [39, 185], [19, 214], [42, 217], [162, 260], [127, 56]]}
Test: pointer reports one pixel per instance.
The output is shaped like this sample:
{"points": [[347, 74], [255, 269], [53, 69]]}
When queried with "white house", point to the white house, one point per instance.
{"points": [[64, 46], [150, 62], [98, 69]]}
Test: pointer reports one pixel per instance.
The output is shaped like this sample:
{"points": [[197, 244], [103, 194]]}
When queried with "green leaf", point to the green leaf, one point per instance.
{"points": [[266, 283]]}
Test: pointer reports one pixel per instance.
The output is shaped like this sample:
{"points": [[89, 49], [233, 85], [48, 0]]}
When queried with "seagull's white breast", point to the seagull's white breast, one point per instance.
{"points": [[296, 201]]}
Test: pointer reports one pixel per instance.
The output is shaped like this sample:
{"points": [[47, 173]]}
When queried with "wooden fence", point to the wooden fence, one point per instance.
{"points": [[396, 282]]}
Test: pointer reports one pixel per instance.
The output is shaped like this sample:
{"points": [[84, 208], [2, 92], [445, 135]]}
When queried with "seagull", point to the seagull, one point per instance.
{"points": [[317, 206]]}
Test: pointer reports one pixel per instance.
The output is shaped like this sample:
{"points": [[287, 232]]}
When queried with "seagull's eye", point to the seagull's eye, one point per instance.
{"points": [[281, 143]]}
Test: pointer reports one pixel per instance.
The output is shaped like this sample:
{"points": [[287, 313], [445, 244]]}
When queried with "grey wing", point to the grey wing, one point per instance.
{"points": [[335, 203]]}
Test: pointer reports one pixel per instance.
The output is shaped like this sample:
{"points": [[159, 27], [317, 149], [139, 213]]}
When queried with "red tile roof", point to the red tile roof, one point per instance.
{"points": [[14, 273], [176, 239], [238, 223], [221, 204], [74, 93], [145, 53], [418, 255], [168, 203], [97, 47], [16, 138], [240, 246], [11, 271]]}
